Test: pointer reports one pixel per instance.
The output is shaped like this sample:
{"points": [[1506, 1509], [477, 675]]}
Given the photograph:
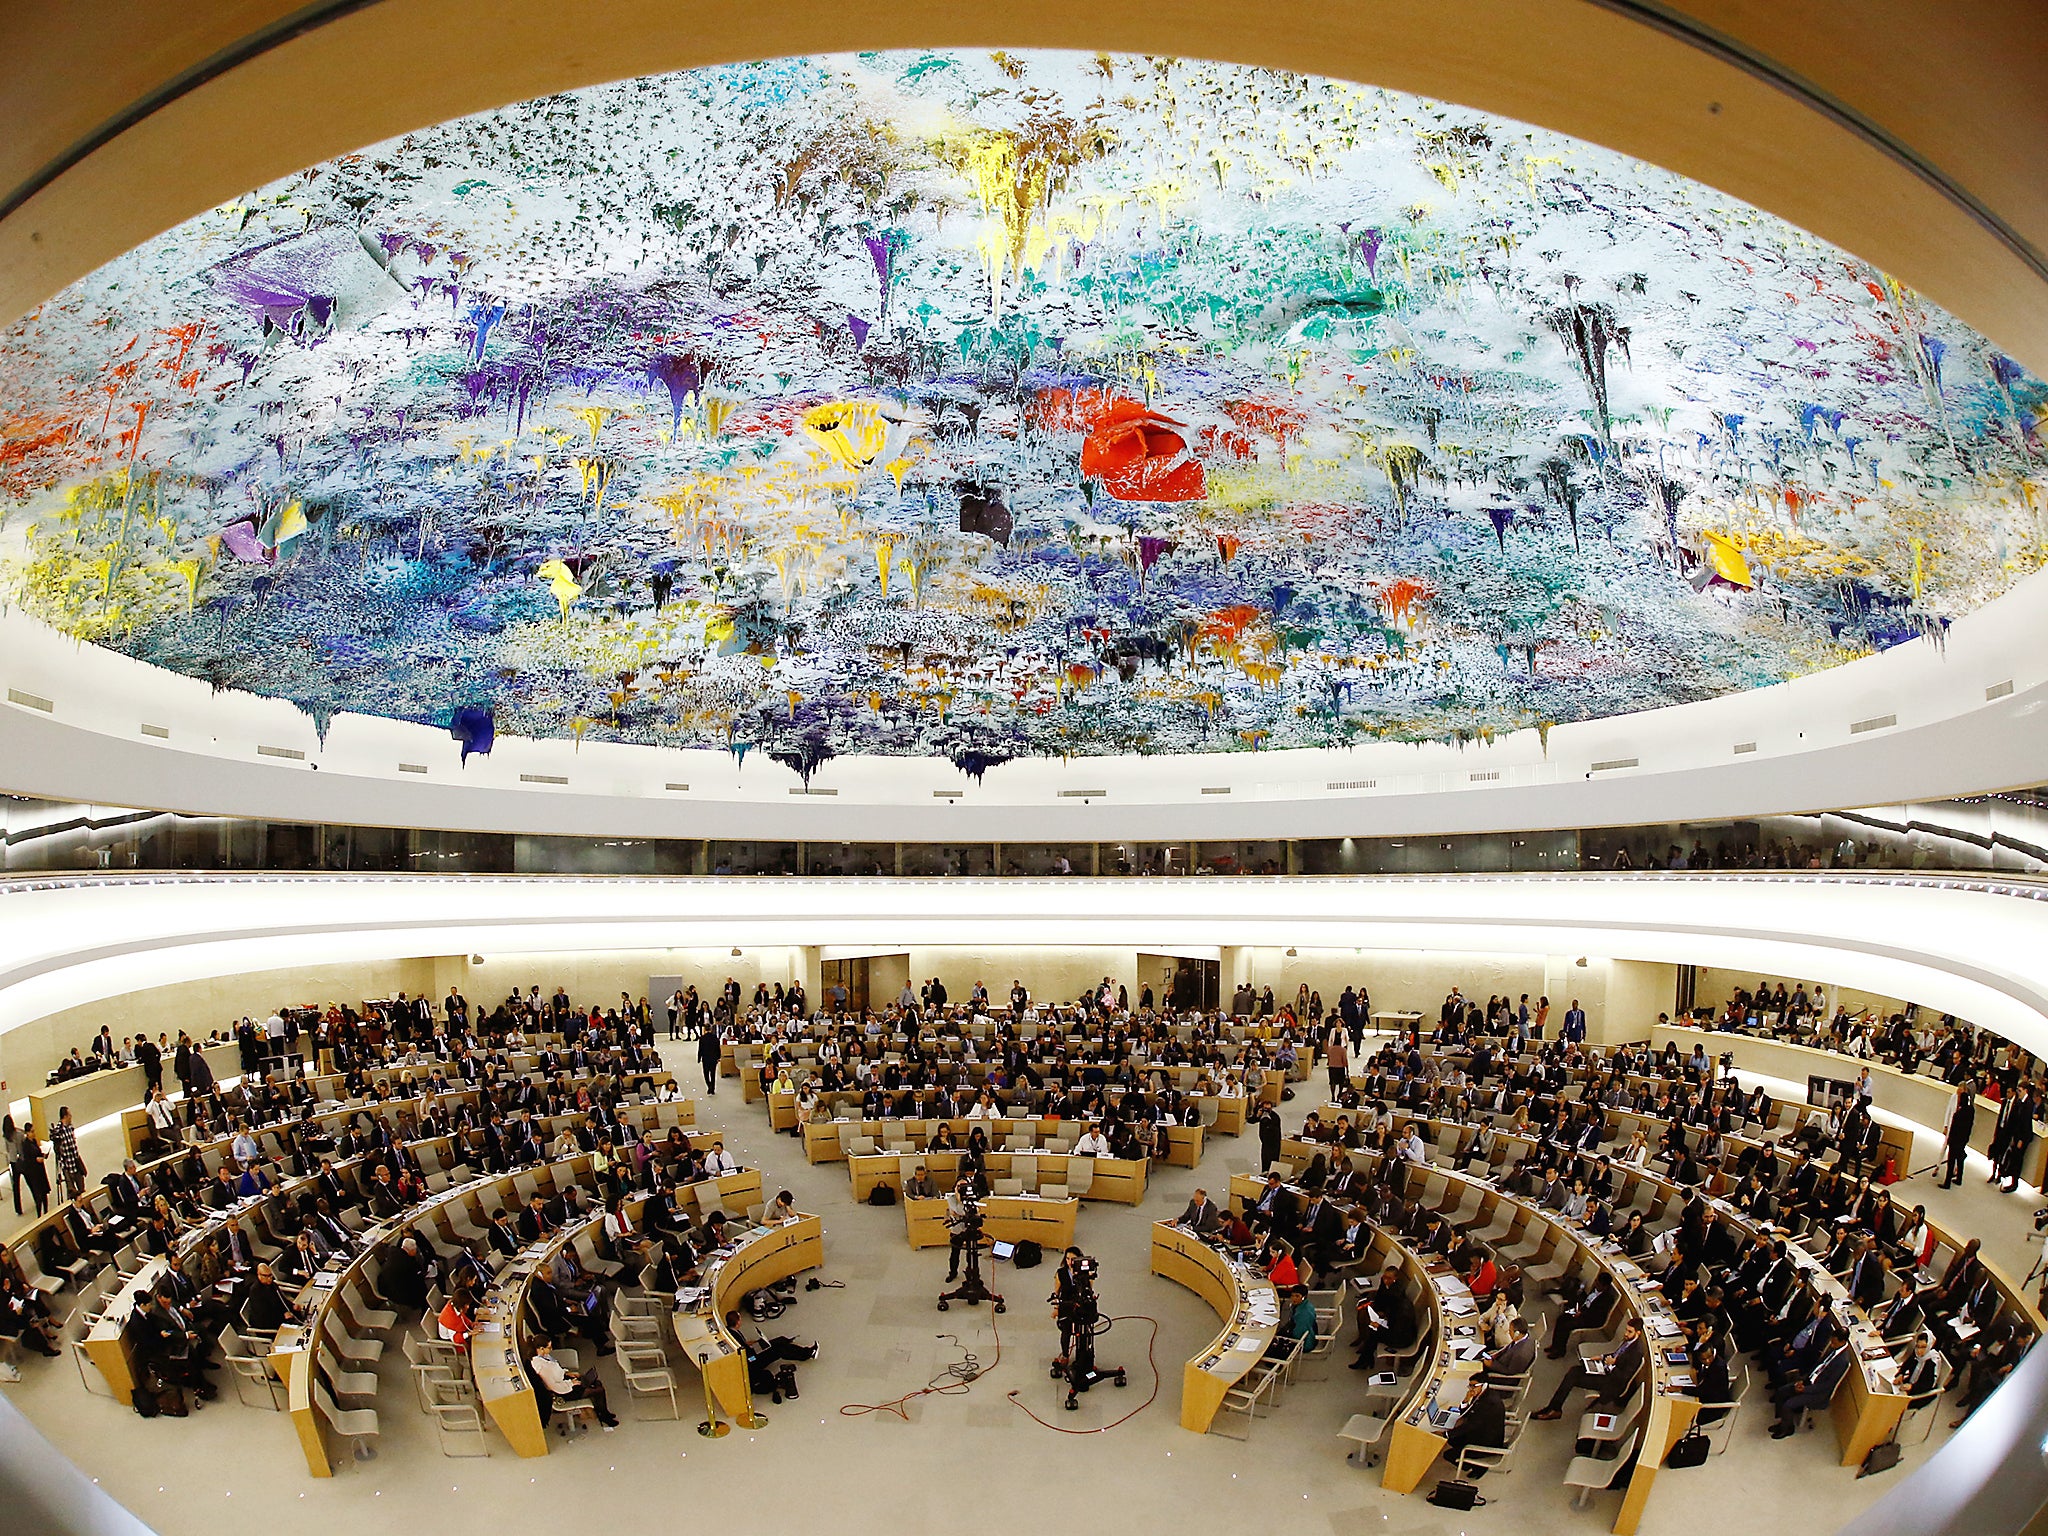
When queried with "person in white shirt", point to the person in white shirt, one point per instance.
{"points": [[985, 1108], [562, 1385], [1412, 1148], [718, 1162], [1092, 1143]]}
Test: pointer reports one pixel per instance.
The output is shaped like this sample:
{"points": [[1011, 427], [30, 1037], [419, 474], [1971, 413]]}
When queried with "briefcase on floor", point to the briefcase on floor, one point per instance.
{"points": [[1451, 1493], [1882, 1458], [1690, 1451]]}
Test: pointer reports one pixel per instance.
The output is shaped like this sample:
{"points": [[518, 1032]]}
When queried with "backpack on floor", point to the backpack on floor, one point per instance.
{"points": [[1028, 1255], [882, 1194]]}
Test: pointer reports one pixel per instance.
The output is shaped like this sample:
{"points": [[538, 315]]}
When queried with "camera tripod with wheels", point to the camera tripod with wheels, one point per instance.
{"points": [[972, 1288], [1079, 1367]]}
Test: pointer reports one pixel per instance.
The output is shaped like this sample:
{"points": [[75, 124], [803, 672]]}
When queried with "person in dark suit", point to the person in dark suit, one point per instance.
{"points": [[1710, 1371], [1920, 1372], [1869, 1276], [1483, 1423], [2016, 1128], [1815, 1389], [499, 1235], [1610, 1378], [1269, 1136], [266, 1308], [1962, 1119], [1592, 1311], [1513, 1358], [1907, 1312], [1202, 1215], [1386, 1319], [1316, 1230], [1274, 1209]]}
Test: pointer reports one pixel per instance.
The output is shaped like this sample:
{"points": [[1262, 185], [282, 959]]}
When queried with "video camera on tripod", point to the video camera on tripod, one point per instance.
{"points": [[964, 1222], [1080, 1319]]}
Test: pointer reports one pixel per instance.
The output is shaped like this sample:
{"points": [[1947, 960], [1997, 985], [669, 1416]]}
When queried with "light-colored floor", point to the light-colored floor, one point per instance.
{"points": [[973, 1460]]}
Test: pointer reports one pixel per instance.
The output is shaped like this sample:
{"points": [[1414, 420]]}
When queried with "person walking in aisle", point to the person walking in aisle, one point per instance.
{"points": [[707, 1057], [64, 1144], [1962, 1119]]}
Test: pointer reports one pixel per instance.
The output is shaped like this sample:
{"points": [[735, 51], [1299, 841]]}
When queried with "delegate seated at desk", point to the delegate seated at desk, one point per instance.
{"points": [[1202, 1215], [1482, 1422], [554, 1383], [1612, 1376], [1386, 1319]]}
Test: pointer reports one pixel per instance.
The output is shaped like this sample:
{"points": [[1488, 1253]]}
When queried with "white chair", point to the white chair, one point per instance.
{"points": [[1007, 1186], [1591, 1474], [1364, 1431], [358, 1425], [648, 1382], [1724, 1427], [348, 1346], [248, 1368], [457, 1421], [371, 1319], [1050, 1191], [1080, 1177], [1473, 1459], [1619, 1422]]}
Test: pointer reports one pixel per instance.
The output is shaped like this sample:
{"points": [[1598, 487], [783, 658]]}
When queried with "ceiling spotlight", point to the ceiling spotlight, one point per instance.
{"points": [[1292, 951], [736, 953], [476, 959], [1582, 962]]}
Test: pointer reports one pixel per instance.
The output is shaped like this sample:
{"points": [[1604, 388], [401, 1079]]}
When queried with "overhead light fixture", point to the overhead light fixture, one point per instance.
{"points": [[736, 953], [1292, 952]]}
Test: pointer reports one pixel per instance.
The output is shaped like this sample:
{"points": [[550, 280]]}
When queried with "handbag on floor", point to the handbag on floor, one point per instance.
{"points": [[1453, 1493], [1690, 1451]]}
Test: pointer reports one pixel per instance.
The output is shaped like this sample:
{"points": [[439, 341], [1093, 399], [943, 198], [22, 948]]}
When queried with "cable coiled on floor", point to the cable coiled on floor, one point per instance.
{"points": [[1151, 1364], [953, 1381]]}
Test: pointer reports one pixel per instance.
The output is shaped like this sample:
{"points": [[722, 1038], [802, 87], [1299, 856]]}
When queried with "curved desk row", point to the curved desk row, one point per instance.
{"points": [[1870, 1405], [2015, 1304], [1108, 1178], [1245, 1300], [762, 1257], [1480, 1204], [297, 1353], [1913, 1096]]}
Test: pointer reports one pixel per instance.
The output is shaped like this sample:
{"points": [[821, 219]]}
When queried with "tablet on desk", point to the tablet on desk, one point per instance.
{"points": [[1004, 1250]]}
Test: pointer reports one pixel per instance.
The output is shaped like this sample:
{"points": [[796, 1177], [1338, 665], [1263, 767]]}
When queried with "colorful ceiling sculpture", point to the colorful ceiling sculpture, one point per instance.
{"points": [[995, 405]]}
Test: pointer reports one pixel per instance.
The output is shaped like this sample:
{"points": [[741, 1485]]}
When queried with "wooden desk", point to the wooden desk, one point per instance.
{"points": [[1005, 1218], [1183, 1145], [1121, 1180], [1248, 1305], [764, 1256], [105, 1344], [1413, 1443], [297, 1360]]}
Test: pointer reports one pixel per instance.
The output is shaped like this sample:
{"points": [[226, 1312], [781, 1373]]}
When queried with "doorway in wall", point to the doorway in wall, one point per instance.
{"points": [[854, 975], [1179, 982]]}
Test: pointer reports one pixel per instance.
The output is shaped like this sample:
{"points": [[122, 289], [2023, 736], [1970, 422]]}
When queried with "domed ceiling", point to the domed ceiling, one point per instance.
{"points": [[992, 405]]}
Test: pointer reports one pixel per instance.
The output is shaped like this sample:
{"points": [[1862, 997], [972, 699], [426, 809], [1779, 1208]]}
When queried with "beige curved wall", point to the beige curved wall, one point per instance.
{"points": [[1955, 87]]}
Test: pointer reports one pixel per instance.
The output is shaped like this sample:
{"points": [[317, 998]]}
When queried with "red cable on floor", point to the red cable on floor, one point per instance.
{"points": [[1150, 1364], [951, 1382]]}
